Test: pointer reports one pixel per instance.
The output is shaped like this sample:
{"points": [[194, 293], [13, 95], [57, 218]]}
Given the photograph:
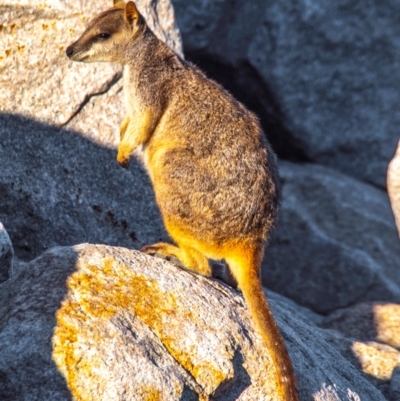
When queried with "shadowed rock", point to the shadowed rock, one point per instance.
{"points": [[335, 243], [395, 386], [58, 188]]}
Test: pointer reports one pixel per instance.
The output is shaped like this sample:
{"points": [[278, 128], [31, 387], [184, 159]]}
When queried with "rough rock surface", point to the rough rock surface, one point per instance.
{"points": [[108, 323], [332, 68], [393, 185], [59, 188], [6, 255], [335, 242], [37, 79]]}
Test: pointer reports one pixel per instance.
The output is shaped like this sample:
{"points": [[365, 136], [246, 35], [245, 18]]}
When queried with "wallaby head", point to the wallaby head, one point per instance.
{"points": [[108, 34]]}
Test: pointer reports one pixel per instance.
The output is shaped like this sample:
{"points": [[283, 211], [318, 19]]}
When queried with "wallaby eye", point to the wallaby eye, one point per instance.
{"points": [[103, 35]]}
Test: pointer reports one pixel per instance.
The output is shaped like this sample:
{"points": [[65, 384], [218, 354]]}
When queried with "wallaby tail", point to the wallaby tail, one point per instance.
{"points": [[246, 269]]}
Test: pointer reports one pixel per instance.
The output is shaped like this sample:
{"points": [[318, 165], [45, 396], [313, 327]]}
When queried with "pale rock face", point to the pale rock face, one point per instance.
{"points": [[38, 80], [108, 323], [393, 185]]}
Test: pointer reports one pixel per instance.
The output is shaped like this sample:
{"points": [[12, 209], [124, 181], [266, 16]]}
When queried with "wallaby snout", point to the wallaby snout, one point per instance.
{"points": [[77, 52], [69, 51]]}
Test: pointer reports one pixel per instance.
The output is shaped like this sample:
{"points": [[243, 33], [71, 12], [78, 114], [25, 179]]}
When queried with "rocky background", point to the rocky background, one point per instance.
{"points": [[323, 78]]}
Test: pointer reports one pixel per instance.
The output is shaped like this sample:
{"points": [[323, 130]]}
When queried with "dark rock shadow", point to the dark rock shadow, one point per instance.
{"points": [[59, 188], [231, 389], [28, 305], [188, 394]]}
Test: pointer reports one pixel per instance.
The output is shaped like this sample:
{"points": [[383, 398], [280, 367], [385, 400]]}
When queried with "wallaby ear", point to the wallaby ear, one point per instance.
{"points": [[131, 12], [118, 3]]}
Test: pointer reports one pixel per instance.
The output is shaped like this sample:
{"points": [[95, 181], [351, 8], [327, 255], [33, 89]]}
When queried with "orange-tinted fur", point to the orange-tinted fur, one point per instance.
{"points": [[213, 172]]}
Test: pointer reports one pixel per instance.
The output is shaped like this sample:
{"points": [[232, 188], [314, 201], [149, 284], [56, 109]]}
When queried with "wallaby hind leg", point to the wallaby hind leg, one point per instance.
{"points": [[190, 258]]}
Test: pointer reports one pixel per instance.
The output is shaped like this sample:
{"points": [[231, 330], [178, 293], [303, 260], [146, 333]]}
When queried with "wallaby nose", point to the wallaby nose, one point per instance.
{"points": [[69, 51]]}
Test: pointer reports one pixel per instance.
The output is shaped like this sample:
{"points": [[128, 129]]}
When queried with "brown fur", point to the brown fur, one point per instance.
{"points": [[213, 172]]}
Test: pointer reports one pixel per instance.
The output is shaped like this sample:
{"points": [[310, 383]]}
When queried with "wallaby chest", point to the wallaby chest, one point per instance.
{"points": [[132, 99]]}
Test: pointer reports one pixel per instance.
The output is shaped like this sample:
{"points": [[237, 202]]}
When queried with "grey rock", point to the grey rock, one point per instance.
{"points": [[96, 322], [395, 385], [331, 67], [369, 321], [6, 255], [222, 29], [309, 316], [335, 243], [60, 188]]}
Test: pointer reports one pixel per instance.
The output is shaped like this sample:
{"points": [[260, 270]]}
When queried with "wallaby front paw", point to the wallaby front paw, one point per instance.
{"points": [[159, 251], [123, 162]]}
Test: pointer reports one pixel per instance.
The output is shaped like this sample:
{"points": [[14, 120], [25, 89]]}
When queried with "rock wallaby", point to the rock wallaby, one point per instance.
{"points": [[213, 172]]}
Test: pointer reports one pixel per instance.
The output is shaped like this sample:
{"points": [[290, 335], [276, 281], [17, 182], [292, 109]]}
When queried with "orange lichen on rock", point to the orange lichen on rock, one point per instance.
{"points": [[151, 395], [103, 293], [197, 369]]}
